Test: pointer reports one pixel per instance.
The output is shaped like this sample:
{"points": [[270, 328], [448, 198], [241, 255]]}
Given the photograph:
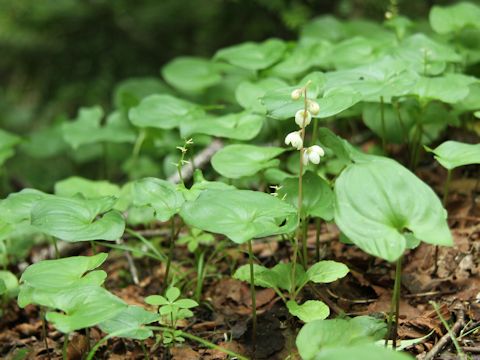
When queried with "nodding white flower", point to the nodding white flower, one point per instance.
{"points": [[295, 139], [302, 117], [313, 107], [312, 154], [295, 95]]}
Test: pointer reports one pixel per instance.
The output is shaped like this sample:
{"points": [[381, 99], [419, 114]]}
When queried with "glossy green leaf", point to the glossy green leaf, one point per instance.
{"points": [[130, 323], [7, 143], [238, 126], [88, 188], [9, 283], [397, 202], [241, 215], [253, 56], [77, 219], [326, 271], [336, 100], [163, 112], [361, 352], [161, 195], [248, 94], [235, 161], [54, 275], [317, 200], [452, 19], [130, 92], [278, 277], [321, 334], [191, 74], [18, 206], [86, 128], [449, 88], [310, 310], [452, 154], [82, 307]]}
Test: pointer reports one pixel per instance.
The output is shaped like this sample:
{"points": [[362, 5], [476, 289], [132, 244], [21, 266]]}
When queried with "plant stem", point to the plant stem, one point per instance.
{"points": [[94, 247], [55, 245], [144, 349], [395, 304], [65, 347], [254, 300], [382, 119], [460, 353], [200, 276], [318, 230], [138, 143], [170, 252], [44, 333], [304, 242], [446, 188]]}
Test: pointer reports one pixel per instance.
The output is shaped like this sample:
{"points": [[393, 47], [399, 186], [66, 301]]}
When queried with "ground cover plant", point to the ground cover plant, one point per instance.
{"points": [[309, 199]]}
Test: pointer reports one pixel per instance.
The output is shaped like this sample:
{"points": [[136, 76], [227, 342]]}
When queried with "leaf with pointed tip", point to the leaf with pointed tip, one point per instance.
{"points": [[396, 202], [241, 215], [77, 219], [130, 323], [159, 194], [235, 161], [309, 311], [452, 154], [163, 112], [253, 56]]}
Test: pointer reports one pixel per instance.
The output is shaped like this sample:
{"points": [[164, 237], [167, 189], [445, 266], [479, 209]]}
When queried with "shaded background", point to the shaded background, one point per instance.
{"points": [[57, 55]]}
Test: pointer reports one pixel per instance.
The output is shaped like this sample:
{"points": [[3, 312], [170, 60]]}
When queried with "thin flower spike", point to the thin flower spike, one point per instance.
{"points": [[299, 118], [313, 155], [294, 139]]}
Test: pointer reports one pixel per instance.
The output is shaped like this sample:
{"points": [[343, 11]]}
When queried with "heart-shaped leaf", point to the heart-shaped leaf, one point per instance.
{"points": [[317, 200], [241, 215], [452, 154], [191, 74], [326, 271], [163, 112], [396, 203], [310, 310], [235, 161], [161, 195], [239, 126], [77, 219], [253, 56], [130, 323]]}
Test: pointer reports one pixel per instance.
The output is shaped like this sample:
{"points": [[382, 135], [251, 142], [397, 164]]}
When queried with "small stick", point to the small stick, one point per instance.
{"points": [[131, 264]]}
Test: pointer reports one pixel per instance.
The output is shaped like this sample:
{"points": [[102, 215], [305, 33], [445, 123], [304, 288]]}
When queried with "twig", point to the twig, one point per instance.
{"points": [[131, 264], [446, 339], [472, 349], [199, 161]]}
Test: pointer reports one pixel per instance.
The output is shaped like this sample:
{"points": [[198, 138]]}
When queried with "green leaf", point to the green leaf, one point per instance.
{"points": [[452, 19], [320, 334], [452, 154], [163, 112], [76, 219], [157, 300], [88, 188], [249, 94], [54, 275], [262, 276], [17, 207], [191, 74], [129, 323], [309, 311], [239, 126], [326, 271], [82, 307], [238, 160], [449, 88], [130, 92], [396, 202], [361, 352], [336, 100], [161, 195], [9, 282], [241, 215], [172, 294], [253, 56], [86, 128], [7, 143], [186, 303], [317, 198], [278, 277]]}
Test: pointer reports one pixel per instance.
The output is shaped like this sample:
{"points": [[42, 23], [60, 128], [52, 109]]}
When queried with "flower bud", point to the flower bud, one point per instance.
{"points": [[296, 94], [294, 139], [313, 107], [303, 118], [313, 155]]}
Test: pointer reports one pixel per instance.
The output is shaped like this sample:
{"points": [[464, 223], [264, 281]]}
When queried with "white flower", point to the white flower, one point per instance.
{"points": [[295, 139], [302, 117], [313, 107], [313, 155], [295, 95]]}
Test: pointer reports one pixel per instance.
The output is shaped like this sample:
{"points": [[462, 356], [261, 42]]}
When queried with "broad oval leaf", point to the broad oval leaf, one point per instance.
{"points": [[452, 154], [159, 194], [163, 112], [326, 271], [88, 188], [310, 310], [235, 161], [130, 323], [449, 88], [278, 277], [454, 18], [241, 215], [253, 56], [17, 207], [249, 94], [130, 92], [76, 219], [361, 352], [379, 201]]}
